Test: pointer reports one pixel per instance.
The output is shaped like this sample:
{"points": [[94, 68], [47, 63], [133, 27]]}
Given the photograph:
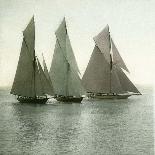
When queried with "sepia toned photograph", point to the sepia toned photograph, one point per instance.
{"points": [[77, 77]]}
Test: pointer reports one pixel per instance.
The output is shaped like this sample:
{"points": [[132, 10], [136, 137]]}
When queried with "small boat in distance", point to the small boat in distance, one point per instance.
{"points": [[30, 83], [64, 71], [104, 76]]}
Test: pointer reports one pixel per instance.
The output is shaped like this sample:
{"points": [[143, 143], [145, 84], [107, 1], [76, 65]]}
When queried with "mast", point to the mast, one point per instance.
{"points": [[67, 75], [34, 61], [111, 62]]}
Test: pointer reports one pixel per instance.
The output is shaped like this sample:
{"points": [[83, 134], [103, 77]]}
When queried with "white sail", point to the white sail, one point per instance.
{"points": [[116, 86], [102, 40], [126, 84], [29, 35], [23, 84], [30, 80], [97, 75], [47, 75], [70, 55], [103, 73], [64, 69], [61, 34], [117, 59], [44, 82], [75, 87], [58, 71], [39, 91]]}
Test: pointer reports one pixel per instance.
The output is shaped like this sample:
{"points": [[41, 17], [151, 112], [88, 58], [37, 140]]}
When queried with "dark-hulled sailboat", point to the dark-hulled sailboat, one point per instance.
{"points": [[64, 71], [104, 76], [30, 83]]}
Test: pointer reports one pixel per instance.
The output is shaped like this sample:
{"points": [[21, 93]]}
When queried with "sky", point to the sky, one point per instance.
{"points": [[131, 22]]}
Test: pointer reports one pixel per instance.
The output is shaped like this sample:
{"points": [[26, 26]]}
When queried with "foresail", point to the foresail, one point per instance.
{"points": [[75, 87], [116, 86], [70, 55], [117, 59], [39, 89], [46, 70], [97, 75], [102, 40], [127, 85], [44, 82], [23, 84]]}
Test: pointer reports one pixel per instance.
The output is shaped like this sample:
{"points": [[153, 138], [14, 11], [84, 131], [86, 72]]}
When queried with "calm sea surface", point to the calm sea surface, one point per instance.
{"points": [[95, 127]]}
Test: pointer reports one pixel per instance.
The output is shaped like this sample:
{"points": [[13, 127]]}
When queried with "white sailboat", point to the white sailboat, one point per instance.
{"points": [[104, 76], [30, 83], [64, 71]]}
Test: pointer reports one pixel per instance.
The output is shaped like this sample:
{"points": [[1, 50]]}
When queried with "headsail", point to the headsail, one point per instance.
{"points": [[116, 86], [44, 81], [64, 69], [117, 59], [47, 75], [126, 84]]}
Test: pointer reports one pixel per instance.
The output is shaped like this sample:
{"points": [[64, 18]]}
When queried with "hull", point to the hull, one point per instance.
{"points": [[32, 100], [69, 99], [118, 96]]}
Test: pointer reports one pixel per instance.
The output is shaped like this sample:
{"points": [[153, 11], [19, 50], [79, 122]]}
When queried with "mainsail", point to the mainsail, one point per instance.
{"points": [[30, 80], [97, 75], [64, 71], [104, 72]]}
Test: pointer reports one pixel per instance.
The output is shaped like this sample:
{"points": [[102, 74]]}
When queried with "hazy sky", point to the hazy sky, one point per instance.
{"points": [[132, 26]]}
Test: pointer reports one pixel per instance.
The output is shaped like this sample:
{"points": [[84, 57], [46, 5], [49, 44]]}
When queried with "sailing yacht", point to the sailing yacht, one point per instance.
{"points": [[30, 83], [64, 71], [104, 76]]}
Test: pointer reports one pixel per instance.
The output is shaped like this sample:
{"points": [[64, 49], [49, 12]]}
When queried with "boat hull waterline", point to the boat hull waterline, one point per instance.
{"points": [[32, 100], [69, 99], [110, 96]]}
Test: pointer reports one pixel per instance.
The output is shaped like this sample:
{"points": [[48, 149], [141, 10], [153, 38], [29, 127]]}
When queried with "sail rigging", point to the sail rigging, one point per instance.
{"points": [[64, 71], [30, 80], [104, 72]]}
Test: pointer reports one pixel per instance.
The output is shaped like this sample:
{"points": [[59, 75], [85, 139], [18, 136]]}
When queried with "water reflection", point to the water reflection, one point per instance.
{"points": [[29, 124], [96, 127]]}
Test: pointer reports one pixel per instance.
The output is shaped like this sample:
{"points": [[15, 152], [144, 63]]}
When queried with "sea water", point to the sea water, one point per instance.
{"points": [[101, 127]]}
